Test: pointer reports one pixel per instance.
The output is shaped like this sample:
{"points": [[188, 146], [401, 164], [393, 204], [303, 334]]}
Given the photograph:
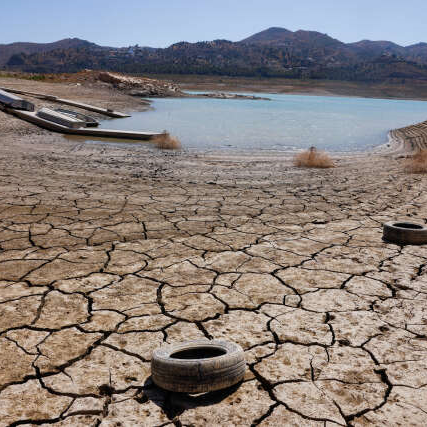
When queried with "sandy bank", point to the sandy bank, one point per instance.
{"points": [[416, 90]]}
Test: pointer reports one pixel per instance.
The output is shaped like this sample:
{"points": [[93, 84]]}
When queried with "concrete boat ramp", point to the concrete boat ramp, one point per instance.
{"points": [[63, 123]]}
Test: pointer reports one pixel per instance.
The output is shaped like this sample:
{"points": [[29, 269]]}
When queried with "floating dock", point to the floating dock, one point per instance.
{"points": [[106, 111], [33, 117]]}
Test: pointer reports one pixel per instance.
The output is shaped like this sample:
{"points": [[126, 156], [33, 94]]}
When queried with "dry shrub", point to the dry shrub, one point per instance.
{"points": [[312, 158], [417, 163], [165, 141]]}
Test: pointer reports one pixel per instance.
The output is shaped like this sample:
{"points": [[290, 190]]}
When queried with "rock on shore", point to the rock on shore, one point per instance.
{"points": [[226, 95], [140, 86]]}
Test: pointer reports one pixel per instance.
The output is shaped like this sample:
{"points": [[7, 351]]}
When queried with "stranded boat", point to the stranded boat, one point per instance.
{"points": [[88, 120], [68, 118]]}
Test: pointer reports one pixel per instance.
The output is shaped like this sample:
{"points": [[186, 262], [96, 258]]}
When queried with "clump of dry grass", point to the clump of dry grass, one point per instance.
{"points": [[165, 141], [417, 163], [312, 158]]}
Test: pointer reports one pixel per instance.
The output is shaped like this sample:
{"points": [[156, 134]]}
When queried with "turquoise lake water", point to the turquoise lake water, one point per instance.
{"points": [[286, 122]]}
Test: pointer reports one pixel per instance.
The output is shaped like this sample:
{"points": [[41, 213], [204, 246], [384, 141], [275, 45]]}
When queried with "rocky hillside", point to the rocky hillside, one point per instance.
{"points": [[282, 37], [275, 52], [359, 51], [8, 50]]}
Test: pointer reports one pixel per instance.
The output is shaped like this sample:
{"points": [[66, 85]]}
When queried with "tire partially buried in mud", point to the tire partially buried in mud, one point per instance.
{"points": [[405, 233], [198, 366]]}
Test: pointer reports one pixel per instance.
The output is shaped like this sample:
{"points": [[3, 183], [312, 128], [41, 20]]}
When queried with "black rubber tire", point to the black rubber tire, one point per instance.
{"points": [[198, 375], [405, 233]]}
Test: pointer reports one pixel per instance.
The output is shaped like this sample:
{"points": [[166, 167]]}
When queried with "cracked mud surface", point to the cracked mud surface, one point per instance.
{"points": [[106, 252]]}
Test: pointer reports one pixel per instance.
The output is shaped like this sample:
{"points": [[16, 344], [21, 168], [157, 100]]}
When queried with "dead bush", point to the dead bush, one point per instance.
{"points": [[165, 141], [312, 158], [417, 163]]}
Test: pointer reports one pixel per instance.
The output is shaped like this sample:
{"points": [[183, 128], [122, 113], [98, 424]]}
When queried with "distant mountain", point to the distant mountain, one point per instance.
{"points": [[368, 50], [276, 36], [273, 35], [417, 52], [275, 52], [309, 45], [359, 51], [7, 50], [376, 46]]}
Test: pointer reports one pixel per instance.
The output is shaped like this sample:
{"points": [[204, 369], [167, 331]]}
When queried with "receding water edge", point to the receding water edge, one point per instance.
{"points": [[285, 123]]}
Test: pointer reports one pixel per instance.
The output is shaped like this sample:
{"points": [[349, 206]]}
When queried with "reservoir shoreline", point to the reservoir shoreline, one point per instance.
{"points": [[107, 96]]}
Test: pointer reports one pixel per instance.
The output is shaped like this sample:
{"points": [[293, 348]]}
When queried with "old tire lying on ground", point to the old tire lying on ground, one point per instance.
{"points": [[198, 366], [405, 233]]}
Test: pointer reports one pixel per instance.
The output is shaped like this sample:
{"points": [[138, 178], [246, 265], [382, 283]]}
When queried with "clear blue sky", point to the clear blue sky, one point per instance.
{"points": [[159, 23]]}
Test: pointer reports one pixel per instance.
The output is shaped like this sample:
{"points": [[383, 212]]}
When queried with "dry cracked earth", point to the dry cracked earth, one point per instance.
{"points": [[107, 252]]}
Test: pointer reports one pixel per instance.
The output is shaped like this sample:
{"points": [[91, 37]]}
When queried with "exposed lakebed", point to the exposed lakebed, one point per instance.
{"points": [[285, 122]]}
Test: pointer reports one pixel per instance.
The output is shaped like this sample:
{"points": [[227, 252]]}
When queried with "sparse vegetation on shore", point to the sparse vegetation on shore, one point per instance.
{"points": [[417, 163], [312, 158], [165, 141]]}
